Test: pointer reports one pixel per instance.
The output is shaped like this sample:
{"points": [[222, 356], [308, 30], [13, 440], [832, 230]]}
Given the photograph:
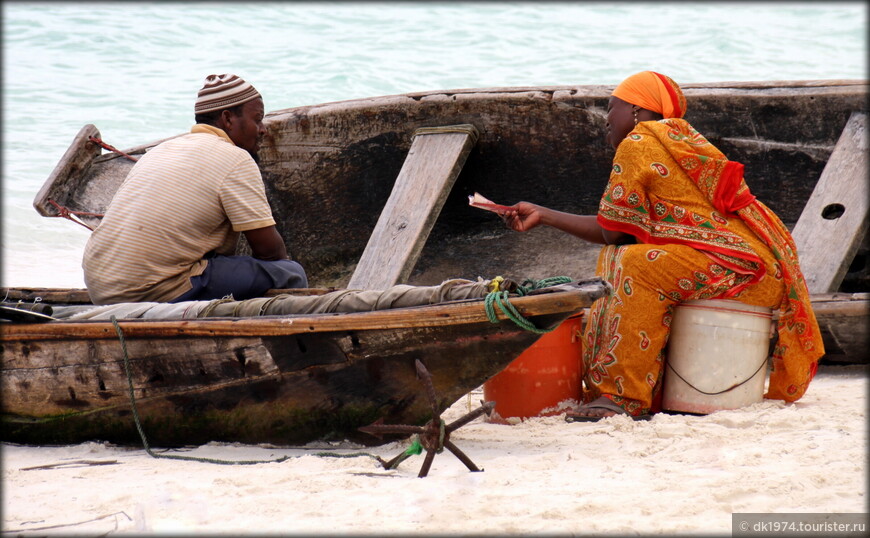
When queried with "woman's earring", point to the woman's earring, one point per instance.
{"points": [[635, 116]]}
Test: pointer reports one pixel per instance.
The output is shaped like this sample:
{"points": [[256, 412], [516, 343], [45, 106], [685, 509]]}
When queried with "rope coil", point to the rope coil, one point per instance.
{"points": [[501, 299]]}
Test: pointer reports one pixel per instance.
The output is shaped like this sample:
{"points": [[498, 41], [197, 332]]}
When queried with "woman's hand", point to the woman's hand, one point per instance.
{"points": [[523, 216]]}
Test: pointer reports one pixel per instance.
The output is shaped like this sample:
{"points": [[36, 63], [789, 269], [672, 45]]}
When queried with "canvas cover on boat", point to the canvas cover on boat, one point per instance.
{"points": [[398, 296]]}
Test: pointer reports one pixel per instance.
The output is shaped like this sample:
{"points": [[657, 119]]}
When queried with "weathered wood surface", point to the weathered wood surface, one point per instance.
{"points": [[843, 320], [285, 381], [326, 166], [834, 220], [433, 163], [282, 390], [75, 163]]}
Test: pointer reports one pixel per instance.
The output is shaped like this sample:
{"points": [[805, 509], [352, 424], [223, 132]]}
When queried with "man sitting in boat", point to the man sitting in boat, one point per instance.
{"points": [[679, 223], [172, 227]]}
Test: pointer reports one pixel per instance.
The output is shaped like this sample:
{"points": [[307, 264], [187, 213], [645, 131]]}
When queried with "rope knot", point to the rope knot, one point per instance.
{"points": [[65, 212], [502, 300], [111, 148]]}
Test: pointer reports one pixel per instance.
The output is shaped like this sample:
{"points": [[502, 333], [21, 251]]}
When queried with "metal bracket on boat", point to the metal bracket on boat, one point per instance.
{"points": [[435, 435]]}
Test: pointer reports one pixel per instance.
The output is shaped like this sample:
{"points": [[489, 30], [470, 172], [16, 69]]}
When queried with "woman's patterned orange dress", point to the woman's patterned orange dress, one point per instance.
{"points": [[700, 235]]}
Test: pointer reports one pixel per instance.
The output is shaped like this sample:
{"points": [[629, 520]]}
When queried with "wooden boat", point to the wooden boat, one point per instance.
{"points": [[329, 169], [271, 379]]}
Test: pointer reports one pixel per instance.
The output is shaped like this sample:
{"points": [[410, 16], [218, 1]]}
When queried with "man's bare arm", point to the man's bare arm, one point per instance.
{"points": [[267, 244]]}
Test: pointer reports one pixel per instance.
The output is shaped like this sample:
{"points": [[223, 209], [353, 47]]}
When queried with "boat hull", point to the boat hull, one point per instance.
{"points": [[280, 380]]}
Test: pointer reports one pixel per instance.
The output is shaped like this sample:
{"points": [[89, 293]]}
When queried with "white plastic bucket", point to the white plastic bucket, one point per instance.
{"points": [[717, 356]]}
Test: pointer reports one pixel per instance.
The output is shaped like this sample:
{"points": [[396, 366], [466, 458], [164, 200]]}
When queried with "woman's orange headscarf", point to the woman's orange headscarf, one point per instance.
{"points": [[653, 91]]}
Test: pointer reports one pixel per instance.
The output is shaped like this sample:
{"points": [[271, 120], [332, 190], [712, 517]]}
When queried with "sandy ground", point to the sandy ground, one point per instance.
{"points": [[675, 474]]}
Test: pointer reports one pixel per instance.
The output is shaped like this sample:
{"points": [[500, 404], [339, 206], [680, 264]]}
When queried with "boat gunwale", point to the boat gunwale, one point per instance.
{"points": [[441, 314], [596, 91], [577, 90]]}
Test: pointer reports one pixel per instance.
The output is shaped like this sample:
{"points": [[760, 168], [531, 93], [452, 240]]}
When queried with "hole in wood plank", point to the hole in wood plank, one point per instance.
{"points": [[833, 211], [240, 356]]}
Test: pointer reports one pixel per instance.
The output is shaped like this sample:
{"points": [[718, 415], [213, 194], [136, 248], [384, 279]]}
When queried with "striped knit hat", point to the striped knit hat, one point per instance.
{"points": [[223, 91]]}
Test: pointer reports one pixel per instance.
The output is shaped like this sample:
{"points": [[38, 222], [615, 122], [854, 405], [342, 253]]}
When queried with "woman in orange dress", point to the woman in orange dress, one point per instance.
{"points": [[678, 223]]}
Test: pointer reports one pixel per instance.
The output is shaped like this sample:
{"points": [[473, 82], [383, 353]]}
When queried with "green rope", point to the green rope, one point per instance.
{"points": [[195, 458], [414, 450], [416, 447], [501, 299], [530, 285]]}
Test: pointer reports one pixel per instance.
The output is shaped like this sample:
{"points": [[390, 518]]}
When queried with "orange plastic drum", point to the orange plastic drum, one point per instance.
{"points": [[545, 380]]}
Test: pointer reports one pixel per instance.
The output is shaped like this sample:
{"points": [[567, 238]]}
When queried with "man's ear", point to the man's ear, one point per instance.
{"points": [[225, 120]]}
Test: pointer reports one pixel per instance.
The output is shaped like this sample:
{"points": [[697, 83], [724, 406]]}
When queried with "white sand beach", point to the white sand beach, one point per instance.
{"points": [[676, 474]]}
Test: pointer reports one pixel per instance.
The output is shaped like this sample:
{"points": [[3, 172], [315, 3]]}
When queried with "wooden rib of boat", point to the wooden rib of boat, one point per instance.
{"points": [[271, 379]]}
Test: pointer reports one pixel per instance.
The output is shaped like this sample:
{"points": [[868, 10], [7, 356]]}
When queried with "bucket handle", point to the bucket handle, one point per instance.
{"points": [[732, 387]]}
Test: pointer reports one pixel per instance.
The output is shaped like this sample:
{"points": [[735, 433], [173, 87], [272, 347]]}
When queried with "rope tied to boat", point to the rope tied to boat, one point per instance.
{"points": [[68, 213], [111, 148], [196, 458], [499, 297], [72, 215]]}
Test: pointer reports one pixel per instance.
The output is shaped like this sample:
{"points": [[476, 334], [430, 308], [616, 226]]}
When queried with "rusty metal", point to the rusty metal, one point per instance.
{"points": [[434, 436]]}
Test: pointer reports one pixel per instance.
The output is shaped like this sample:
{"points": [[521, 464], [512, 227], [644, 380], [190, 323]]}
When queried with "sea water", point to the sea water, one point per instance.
{"points": [[133, 69]]}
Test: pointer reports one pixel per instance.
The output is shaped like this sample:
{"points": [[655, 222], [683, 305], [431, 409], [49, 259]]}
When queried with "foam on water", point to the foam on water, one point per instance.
{"points": [[133, 69]]}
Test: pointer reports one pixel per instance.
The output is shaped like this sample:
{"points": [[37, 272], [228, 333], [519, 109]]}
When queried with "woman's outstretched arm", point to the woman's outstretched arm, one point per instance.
{"points": [[524, 216]]}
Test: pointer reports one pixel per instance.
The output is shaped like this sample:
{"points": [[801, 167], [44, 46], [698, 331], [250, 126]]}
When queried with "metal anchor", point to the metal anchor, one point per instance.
{"points": [[434, 437]]}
